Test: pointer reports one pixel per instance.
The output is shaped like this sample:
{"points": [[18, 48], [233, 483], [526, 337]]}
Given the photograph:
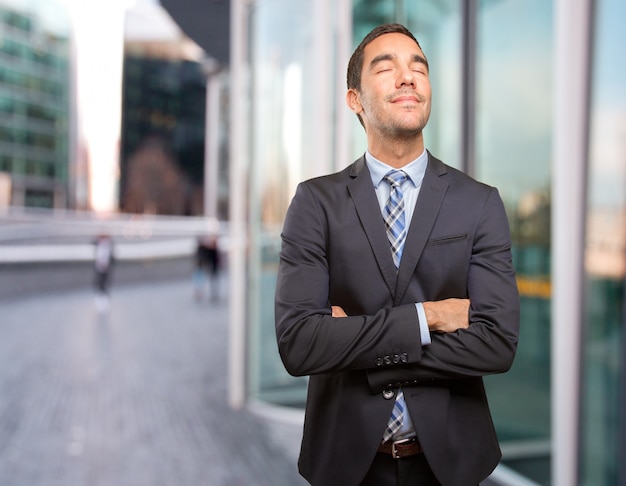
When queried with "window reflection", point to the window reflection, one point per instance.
{"points": [[514, 127], [605, 257], [281, 58], [513, 152]]}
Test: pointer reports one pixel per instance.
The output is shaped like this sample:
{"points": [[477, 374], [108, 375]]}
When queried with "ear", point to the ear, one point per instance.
{"points": [[353, 100]]}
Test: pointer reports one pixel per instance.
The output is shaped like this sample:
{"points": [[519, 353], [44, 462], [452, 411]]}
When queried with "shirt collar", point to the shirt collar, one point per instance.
{"points": [[415, 169]]}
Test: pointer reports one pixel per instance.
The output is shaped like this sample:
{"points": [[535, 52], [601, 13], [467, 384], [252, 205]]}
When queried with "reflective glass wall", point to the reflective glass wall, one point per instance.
{"points": [[294, 79], [603, 408], [513, 152], [291, 139]]}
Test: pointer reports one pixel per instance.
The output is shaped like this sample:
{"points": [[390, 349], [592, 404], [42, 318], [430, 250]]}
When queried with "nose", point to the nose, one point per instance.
{"points": [[406, 78]]}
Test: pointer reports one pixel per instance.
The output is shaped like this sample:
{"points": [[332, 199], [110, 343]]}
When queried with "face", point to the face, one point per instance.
{"points": [[395, 95]]}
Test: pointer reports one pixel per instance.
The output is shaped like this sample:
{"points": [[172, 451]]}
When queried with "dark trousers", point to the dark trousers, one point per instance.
{"points": [[410, 471], [102, 281]]}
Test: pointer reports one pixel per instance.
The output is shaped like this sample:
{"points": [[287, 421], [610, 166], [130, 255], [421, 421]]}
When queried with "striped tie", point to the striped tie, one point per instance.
{"points": [[395, 421], [393, 213], [396, 232]]}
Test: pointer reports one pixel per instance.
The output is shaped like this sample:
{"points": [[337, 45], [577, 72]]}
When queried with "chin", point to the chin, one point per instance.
{"points": [[406, 132]]}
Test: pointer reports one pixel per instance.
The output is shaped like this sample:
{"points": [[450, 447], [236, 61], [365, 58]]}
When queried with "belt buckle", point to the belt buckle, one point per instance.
{"points": [[394, 450]]}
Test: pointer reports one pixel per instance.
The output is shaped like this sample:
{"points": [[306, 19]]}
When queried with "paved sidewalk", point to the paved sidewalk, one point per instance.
{"points": [[131, 398]]}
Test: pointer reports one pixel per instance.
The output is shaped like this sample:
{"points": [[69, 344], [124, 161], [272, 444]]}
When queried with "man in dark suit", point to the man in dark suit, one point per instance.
{"points": [[396, 328]]}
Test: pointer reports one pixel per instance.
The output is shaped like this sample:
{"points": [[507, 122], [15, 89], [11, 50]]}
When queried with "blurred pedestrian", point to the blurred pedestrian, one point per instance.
{"points": [[103, 266], [207, 267]]}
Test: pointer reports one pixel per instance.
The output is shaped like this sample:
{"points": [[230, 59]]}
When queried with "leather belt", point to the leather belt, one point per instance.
{"points": [[401, 448]]}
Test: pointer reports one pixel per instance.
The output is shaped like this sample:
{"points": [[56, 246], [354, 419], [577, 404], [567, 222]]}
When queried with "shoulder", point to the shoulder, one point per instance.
{"points": [[455, 177], [329, 193], [336, 183], [355, 169], [462, 191]]}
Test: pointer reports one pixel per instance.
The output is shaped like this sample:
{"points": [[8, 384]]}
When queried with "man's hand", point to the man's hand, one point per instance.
{"points": [[338, 311], [443, 316], [447, 315]]}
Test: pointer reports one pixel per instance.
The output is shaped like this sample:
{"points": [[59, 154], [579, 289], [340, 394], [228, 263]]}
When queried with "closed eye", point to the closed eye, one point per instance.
{"points": [[419, 69]]}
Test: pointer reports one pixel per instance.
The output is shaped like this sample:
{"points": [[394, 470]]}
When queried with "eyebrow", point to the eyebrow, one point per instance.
{"points": [[389, 57]]}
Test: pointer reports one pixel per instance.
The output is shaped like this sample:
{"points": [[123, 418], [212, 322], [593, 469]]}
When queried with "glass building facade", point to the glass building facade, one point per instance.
{"points": [[513, 145], [603, 358], [493, 116], [35, 92]]}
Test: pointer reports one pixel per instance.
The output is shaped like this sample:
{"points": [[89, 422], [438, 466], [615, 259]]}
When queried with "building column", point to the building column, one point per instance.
{"points": [[238, 147], [571, 94], [211, 139]]}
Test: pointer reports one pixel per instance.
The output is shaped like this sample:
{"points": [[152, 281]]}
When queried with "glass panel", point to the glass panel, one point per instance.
{"points": [[281, 49], [605, 257], [513, 131]]}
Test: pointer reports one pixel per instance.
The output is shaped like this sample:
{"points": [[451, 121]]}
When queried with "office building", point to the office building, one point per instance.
{"points": [[35, 104]]}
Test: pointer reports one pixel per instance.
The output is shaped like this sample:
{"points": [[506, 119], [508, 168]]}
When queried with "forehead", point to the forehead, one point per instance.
{"points": [[393, 44]]}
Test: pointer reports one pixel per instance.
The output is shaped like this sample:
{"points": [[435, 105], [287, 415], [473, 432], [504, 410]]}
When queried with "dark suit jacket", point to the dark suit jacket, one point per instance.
{"points": [[335, 252]]}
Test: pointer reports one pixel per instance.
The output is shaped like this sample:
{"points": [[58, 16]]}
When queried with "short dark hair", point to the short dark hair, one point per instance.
{"points": [[355, 66]]}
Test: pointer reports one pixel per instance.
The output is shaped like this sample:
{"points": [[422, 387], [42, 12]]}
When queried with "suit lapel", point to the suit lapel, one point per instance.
{"points": [[427, 207], [362, 193]]}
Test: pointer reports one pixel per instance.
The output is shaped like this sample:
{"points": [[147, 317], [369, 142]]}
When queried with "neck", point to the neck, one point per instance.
{"points": [[396, 152]]}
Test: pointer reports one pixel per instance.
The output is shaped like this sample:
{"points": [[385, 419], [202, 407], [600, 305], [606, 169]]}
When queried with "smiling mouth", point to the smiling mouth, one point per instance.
{"points": [[406, 99]]}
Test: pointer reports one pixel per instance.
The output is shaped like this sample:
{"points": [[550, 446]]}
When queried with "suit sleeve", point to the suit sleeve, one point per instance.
{"points": [[310, 340], [488, 346]]}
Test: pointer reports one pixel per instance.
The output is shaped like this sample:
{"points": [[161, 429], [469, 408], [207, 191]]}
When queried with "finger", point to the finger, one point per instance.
{"points": [[338, 311]]}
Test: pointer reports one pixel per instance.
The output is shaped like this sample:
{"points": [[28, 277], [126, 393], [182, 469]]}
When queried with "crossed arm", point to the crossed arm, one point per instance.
{"points": [[311, 343], [442, 316]]}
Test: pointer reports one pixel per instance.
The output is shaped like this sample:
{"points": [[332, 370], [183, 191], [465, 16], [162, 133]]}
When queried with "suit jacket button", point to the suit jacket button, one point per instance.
{"points": [[396, 358], [387, 360], [404, 358], [379, 362], [388, 394]]}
